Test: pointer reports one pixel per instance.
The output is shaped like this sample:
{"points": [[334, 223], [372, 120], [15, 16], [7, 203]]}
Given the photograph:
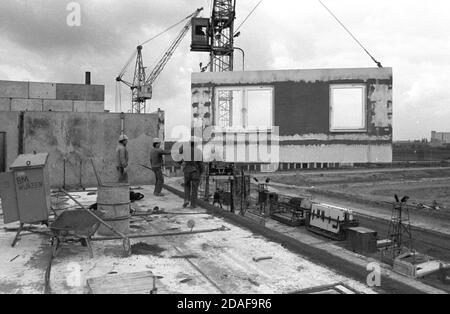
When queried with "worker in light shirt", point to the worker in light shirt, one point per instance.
{"points": [[157, 162]]}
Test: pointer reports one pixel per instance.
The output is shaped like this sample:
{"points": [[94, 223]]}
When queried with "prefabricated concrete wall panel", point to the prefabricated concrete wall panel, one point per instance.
{"points": [[88, 106], [301, 109], [58, 105], [80, 92], [308, 76], [72, 139], [79, 106], [11, 89], [336, 153], [95, 106], [9, 122], [42, 90], [26, 104], [5, 104]]}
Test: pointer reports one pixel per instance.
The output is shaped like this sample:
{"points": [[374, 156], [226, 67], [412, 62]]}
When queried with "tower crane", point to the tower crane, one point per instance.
{"points": [[141, 86], [216, 36]]}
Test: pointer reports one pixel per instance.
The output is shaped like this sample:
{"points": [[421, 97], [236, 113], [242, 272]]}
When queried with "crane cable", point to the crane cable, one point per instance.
{"points": [[149, 40], [248, 16], [124, 69], [350, 33]]}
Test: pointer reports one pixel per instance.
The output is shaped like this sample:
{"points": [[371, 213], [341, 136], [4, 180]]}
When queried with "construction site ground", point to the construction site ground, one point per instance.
{"points": [[215, 262]]}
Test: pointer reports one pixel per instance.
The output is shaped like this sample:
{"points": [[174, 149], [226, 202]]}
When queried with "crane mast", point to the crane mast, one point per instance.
{"points": [[222, 37]]}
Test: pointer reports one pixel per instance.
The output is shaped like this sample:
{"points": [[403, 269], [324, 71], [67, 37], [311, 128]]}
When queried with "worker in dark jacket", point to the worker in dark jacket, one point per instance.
{"points": [[193, 169], [157, 162], [122, 158]]}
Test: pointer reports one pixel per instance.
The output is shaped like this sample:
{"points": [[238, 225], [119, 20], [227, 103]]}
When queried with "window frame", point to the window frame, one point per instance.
{"points": [[363, 129], [244, 98]]}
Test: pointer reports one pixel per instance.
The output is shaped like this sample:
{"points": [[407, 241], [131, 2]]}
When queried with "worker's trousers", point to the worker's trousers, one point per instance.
{"points": [[123, 175], [159, 180], [191, 183]]}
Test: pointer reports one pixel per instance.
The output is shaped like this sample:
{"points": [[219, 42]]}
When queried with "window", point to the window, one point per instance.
{"points": [[348, 108], [244, 107]]}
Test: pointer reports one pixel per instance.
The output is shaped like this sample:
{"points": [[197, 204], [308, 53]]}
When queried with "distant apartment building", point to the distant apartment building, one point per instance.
{"points": [[440, 138]]}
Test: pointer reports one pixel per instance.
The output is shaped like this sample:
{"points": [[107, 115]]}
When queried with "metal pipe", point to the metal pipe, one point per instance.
{"points": [[138, 236], [243, 57], [166, 213], [88, 78], [122, 123]]}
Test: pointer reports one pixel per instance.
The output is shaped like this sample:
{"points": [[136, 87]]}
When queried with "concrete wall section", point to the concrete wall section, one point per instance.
{"points": [[5, 104], [12, 89], [307, 76], [58, 105], [35, 96], [26, 105], [42, 90], [302, 108], [336, 153], [72, 139], [9, 122], [88, 106], [80, 92]]}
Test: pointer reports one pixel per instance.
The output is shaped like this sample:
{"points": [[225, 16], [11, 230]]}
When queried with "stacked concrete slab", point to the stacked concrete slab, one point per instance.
{"points": [[37, 96]]}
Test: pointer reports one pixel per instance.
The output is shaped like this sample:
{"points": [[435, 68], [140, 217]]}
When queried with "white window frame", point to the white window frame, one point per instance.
{"points": [[364, 104], [244, 94]]}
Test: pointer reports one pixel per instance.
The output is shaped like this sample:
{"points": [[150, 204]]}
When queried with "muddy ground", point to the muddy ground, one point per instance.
{"points": [[423, 186]]}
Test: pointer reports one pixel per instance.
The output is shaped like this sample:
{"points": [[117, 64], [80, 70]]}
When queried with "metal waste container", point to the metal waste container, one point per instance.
{"points": [[25, 190]]}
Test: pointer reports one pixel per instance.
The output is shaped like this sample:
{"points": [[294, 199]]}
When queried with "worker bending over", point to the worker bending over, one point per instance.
{"points": [[122, 159], [157, 162]]}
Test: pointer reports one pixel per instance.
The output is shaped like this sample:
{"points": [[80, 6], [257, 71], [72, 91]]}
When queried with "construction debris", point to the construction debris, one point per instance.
{"points": [[258, 259]]}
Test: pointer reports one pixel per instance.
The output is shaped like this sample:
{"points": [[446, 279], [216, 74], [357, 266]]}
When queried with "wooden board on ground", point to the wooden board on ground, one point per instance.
{"points": [[131, 283], [337, 288]]}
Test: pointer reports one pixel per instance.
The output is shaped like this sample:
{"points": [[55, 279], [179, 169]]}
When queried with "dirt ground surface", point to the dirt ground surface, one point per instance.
{"points": [[377, 187]]}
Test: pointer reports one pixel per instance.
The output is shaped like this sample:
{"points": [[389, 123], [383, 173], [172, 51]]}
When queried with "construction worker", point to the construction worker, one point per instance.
{"points": [[157, 162], [122, 158], [193, 169]]}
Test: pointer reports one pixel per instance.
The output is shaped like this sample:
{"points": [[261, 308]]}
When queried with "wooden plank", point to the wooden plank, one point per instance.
{"points": [[130, 283]]}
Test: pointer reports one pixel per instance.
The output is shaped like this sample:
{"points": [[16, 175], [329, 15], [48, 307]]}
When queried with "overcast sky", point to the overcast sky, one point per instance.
{"points": [[411, 36]]}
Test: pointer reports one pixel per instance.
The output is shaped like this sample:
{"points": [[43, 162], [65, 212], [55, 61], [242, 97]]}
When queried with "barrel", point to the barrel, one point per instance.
{"points": [[113, 199]]}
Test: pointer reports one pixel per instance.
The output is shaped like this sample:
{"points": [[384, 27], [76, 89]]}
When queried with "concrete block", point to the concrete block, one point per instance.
{"points": [[11, 89], [88, 106], [42, 90], [58, 105], [80, 92], [95, 106], [26, 104], [79, 106], [5, 104]]}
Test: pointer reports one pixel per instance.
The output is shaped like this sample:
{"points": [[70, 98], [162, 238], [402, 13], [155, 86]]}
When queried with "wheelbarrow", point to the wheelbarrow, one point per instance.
{"points": [[74, 226]]}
